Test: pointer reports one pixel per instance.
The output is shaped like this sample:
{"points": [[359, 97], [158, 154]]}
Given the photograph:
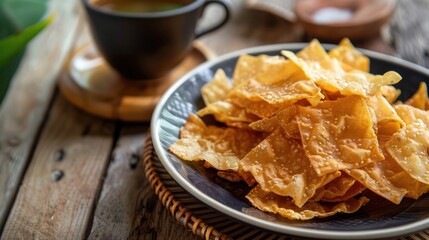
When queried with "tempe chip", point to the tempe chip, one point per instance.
{"points": [[222, 148], [401, 179], [228, 113], [259, 108], [280, 165], [347, 54], [373, 176], [217, 89], [265, 124], [410, 114], [338, 135], [281, 93], [264, 69], [271, 202], [288, 121], [387, 120], [390, 93], [329, 74], [340, 189], [409, 147]]}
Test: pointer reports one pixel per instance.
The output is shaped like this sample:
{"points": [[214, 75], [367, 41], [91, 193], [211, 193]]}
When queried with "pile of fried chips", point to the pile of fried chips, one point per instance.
{"points": [[311, 131]]}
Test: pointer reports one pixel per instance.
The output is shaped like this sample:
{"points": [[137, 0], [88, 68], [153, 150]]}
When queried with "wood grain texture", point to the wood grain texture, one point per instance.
{"points": [[281, 8], [24, 108], [49, 206], [248, 28], [128, 207], [410, 31]]}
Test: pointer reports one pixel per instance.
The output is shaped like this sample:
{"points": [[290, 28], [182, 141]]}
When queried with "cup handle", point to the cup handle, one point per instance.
{"points": [[226, 4]]}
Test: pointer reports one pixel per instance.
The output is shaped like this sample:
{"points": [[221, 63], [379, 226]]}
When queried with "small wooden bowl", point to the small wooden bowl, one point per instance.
{"points": [[368, 16]]}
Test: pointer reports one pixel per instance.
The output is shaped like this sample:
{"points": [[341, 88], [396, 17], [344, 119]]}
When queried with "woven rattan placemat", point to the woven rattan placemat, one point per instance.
{"points": [[198, 217]]}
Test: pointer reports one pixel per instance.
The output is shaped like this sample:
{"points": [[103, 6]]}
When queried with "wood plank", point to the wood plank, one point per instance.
{"points": [[128, 207], [53, 205], [410, 31], [30, 93], [248, 28]]}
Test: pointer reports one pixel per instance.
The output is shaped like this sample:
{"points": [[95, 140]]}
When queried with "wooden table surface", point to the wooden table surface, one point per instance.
{"points": [[102, 194]]}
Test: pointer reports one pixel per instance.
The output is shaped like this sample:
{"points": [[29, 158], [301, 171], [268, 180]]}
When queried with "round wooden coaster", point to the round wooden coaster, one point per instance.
{"points": [[92, 85]]}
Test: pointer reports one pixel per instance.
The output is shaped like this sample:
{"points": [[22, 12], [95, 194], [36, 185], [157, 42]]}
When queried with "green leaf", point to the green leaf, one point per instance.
{"points": [[12, 45], [16, 15]]}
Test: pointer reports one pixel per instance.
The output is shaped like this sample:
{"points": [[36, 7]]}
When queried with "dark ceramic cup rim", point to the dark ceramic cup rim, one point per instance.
{"points": [[168, 13]]}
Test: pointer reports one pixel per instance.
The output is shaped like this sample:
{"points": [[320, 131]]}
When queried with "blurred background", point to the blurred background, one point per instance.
{"points": [[400, 30]]}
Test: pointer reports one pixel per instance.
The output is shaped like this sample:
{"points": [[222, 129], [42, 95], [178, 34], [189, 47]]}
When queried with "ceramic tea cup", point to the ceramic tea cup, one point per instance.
{"points": [[147, 44]]}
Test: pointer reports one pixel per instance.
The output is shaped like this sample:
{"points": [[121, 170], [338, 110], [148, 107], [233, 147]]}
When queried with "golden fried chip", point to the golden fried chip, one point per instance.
{"points": [[264, 69], [235, 176], [221, 147], [243, 125], [331, 95], [288, 121], [354, 190], [329, 75], [196, 128], [373, 177], [364, 84], [229, 175], [401, 179], [414, 188], [378, 81], [346, 53], [387, 120], [313, 52], [338, 135], [275, 69], [318, 66], [260, 108], [418, 100], [217, 89], [228, 113], [280, 93], [246, 68], [409, 147], [271, 202], [336, 188], [247, 177], [279, 165], [265, 125], [396, 174], [411, 114], [390, 93]]}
